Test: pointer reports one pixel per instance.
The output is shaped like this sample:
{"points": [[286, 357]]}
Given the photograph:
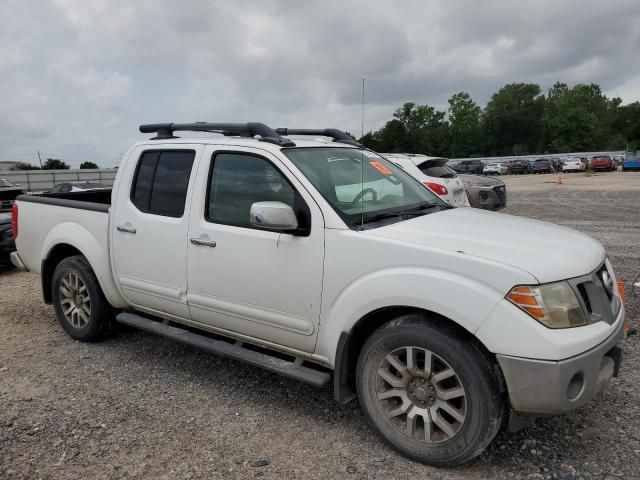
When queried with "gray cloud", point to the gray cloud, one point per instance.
{"points": [[77, 77]]}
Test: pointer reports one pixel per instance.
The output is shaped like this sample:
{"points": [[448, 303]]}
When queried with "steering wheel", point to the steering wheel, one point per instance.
{"points": [[361, 194]]}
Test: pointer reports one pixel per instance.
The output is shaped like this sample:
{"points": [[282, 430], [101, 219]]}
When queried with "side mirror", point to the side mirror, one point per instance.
{"points": [[273, 216]]}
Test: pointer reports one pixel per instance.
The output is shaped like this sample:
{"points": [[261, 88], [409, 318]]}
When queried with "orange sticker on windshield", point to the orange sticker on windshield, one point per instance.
{"points": [[381, 168]]}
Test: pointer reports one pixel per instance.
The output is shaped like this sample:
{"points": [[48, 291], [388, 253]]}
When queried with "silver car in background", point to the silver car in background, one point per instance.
{"points": [[488, 193]]}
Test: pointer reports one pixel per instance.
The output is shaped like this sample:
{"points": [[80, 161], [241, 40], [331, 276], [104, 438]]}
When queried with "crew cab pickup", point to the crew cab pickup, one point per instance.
{"points": [[323, 261]]}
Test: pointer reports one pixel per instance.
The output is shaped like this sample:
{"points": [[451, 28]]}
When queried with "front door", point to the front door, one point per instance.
{"points": [[150, 226], [263, 284]]}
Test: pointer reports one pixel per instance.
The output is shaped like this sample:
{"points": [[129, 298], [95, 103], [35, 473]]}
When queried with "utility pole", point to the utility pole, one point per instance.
{"points": [[40, 159]]}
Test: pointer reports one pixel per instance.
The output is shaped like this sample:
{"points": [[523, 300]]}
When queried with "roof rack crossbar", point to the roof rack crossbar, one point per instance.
{"points": [[337, 135], [165, 131]]}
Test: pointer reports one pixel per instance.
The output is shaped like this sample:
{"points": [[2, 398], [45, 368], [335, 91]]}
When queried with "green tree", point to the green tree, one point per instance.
{"points": [[627, 124], [426, 129], [54, 164], [580, 119], [513, 119], [24, 166], [85, 165], [464, 126]]}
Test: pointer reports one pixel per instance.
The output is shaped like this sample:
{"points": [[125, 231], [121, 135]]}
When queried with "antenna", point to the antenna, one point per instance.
{"points": [[362, 163]]}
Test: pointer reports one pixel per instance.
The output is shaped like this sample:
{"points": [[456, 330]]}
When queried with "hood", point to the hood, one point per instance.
{"points": [[548, 252], [481, 180]]}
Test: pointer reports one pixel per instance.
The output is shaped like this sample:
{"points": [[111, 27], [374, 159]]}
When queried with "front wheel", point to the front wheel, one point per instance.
{"points": [[431, 395], [80, 305]]}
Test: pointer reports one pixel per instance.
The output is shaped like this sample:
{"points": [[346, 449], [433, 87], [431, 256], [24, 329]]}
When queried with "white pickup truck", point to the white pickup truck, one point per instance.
{"points": [[320, 260]]}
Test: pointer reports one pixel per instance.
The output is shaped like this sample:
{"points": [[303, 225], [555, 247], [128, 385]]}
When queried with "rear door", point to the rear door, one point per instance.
{"points": [[263, 284], [149, 228]]}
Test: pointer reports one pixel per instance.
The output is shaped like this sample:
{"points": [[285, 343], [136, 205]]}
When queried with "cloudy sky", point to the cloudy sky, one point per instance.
{"points": [[78, 76]]}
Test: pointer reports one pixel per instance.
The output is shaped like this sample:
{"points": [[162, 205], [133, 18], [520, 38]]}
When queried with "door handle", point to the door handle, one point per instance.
{"points": [[202, 243], [122, 228]]}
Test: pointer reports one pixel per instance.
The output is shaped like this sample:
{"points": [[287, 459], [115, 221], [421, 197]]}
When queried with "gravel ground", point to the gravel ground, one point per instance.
{"points": [[140, 406]]}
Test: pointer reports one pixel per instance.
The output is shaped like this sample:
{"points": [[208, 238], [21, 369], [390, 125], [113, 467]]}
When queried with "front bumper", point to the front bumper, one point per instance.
{"points": [[539, 387]]}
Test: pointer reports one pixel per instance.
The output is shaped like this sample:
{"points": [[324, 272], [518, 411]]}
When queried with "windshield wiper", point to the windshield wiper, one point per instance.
{"points": [[421, 209]]}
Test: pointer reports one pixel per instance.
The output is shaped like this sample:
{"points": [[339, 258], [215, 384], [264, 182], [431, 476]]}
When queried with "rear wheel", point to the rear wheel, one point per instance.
{"points": [[432, 396], [80, 305]]}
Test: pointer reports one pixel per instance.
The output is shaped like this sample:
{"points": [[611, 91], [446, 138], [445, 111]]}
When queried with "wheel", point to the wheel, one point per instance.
{"points": [[79, 303], [431, 395]]}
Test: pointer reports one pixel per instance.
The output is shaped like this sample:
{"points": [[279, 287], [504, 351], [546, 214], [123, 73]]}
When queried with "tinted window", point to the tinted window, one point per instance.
{"points": [[439, 171], [160, 185], [237, 181]]}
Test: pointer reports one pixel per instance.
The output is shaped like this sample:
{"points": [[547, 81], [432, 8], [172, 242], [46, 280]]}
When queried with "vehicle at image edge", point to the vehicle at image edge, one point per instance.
{"points": [[573, 165], [495, 168], [631, 163], [325, 261], [518, 166], [8, 193], [488, 193], [76, 186], [468, 166], [603, 162], [541, 165], [434, 174], [619, 159], [7, 243]]}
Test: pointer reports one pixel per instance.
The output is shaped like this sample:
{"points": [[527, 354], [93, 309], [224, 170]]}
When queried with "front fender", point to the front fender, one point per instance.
{"points": [[461, 299], [96, 251]]}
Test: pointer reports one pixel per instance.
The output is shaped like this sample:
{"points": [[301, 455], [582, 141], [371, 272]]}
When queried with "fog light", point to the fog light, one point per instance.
{"points": [[576, 384]]}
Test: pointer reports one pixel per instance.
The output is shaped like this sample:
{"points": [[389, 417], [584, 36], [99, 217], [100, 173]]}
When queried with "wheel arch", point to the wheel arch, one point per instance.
{"points": [[56, 253], [350, 344]]}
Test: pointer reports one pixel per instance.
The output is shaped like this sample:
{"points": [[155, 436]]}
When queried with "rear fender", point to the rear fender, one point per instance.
{"points": [[95, 250]]}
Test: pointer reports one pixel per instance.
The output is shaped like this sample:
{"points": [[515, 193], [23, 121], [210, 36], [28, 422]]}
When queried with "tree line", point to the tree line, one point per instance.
{"points": [[519, 119], [52, 164]]}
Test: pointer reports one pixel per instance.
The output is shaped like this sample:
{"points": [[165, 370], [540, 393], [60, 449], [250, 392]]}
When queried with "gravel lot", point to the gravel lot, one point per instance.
{"points": [[141, 406]]}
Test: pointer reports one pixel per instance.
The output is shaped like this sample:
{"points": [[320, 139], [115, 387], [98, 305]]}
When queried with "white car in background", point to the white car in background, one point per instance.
{"points": [[573, 165], [434, 174], [495, 169]]}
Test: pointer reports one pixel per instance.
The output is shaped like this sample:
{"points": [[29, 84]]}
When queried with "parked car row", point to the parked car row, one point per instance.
{"points": [[545, 165]]}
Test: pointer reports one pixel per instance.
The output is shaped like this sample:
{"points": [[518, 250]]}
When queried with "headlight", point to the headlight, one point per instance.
{"points": [[555, 305]]}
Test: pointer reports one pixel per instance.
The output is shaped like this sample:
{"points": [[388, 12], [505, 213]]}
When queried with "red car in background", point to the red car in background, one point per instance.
{"points": [[603, 162]]}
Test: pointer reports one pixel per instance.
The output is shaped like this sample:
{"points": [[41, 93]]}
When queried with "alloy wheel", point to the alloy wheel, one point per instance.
{"points": [[421, 394]]}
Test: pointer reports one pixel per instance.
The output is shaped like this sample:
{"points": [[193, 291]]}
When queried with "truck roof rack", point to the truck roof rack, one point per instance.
{"points": [[337, 135], [165, 131]]}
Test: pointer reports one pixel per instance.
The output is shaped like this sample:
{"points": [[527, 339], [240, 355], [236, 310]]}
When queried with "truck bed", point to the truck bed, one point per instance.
{"points": [[94, 200]]}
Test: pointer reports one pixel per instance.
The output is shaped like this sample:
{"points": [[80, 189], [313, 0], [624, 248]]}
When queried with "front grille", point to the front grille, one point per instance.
{"points": [[501, 193], [596, 292]]}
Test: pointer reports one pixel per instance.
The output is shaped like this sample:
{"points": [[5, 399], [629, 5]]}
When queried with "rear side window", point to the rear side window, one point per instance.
{"points": [[161, 181]]}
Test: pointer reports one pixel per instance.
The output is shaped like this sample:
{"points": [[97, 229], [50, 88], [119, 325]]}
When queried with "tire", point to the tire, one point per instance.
{"points": [[473, 417], [80, 305]]}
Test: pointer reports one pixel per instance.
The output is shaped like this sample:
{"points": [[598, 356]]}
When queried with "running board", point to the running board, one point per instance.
{"points": [[293, 369]]}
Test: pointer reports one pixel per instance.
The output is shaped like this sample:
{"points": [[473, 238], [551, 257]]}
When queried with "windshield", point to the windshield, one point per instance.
{"points": [[379, 191], [5, 183]]}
